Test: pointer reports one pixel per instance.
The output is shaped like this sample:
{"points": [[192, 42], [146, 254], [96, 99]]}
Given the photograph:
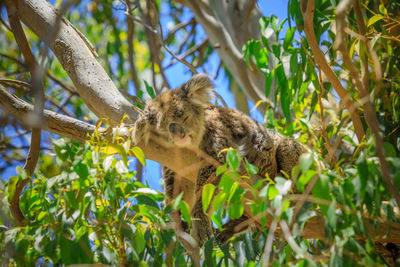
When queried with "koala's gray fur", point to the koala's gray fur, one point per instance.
{"points": [[187, 118]]}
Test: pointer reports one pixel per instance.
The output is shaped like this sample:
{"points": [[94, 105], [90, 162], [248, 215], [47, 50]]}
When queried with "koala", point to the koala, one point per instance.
{"points": [[186, 118]]}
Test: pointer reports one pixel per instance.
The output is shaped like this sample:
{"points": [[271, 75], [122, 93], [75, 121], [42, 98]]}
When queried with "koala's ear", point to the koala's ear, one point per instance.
{"points": [[198, 88]]}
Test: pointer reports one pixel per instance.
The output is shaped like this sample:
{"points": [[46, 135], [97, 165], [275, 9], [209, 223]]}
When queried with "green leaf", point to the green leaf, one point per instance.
{"points": [[22, 173], [304, 179], [294, 65], [262, 58], [306, 160], [303, 89], [68, 251], [321, 190], [232, 191], [11, 186], [75, 251], [382, 9], [177, 201], [226, 182], [140, 242], [41, 215], [363, 172], [71, 199], [109, 193], [272, 192], [251, 169], [143, 199], [332, 217], [185, 211], [236, 210], [221, 169], [232, 158], [268, 82], [389, 149], [374, 19], [138, 152], [288, 37], [81, 169], [208, 253], [284, 91], [219, 200], [149, 90], [208, 193]]}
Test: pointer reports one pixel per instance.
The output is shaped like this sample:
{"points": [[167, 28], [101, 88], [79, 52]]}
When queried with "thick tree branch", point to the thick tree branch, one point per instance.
{"points": [[90, 80], [53, 122]]}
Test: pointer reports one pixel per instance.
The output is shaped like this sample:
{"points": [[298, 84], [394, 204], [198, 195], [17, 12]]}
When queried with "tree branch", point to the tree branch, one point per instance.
{"points": [[91, 81], [30, 164], [53, 122], [308, 15], [369, 112]]}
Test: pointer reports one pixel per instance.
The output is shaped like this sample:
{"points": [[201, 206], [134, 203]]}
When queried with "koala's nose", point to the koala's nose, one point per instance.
{"points": [[176, 129]]}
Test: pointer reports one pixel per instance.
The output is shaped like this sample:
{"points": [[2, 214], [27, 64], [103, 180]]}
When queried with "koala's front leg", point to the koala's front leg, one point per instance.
{"points": [[141, 131], [201, 224]]}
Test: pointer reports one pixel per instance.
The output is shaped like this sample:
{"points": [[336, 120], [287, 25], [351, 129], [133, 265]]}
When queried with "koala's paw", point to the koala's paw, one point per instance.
{"points": [[201, 231], [140, 132]]}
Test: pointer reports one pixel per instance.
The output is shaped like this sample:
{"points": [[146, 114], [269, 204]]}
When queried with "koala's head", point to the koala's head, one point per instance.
{"points": [[179, 113]]}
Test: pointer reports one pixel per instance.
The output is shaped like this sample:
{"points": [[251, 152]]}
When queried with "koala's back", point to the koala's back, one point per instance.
{"points": [[264, 148]]}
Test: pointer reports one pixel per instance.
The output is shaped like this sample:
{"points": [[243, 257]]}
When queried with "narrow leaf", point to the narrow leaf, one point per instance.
{"points": [[208, 192]]}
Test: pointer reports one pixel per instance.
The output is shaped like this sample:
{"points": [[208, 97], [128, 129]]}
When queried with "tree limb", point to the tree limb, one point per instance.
{"points": [[30, 164], [90, 80], [307, 8], [369, 112], [53, 122]]}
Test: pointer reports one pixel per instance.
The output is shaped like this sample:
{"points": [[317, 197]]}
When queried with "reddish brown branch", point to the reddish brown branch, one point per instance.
{"points": [[369, 112], [37, 87], [29, 166], [307, 8]]}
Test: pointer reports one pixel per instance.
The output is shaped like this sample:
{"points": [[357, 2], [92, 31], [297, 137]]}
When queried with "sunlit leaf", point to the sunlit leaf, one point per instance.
{"points": [[207, 195], [138, 152]]}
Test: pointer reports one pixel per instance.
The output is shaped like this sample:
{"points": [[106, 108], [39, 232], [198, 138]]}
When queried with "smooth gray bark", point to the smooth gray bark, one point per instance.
{"points": [[89, 77]]}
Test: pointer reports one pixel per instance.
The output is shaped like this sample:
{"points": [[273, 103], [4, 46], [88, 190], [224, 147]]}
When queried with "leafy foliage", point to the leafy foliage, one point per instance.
{"points": [[83, 204]]}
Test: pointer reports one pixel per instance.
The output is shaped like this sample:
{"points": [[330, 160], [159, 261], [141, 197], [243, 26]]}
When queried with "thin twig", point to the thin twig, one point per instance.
{"points": [[177, 28], [270, 237]]}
